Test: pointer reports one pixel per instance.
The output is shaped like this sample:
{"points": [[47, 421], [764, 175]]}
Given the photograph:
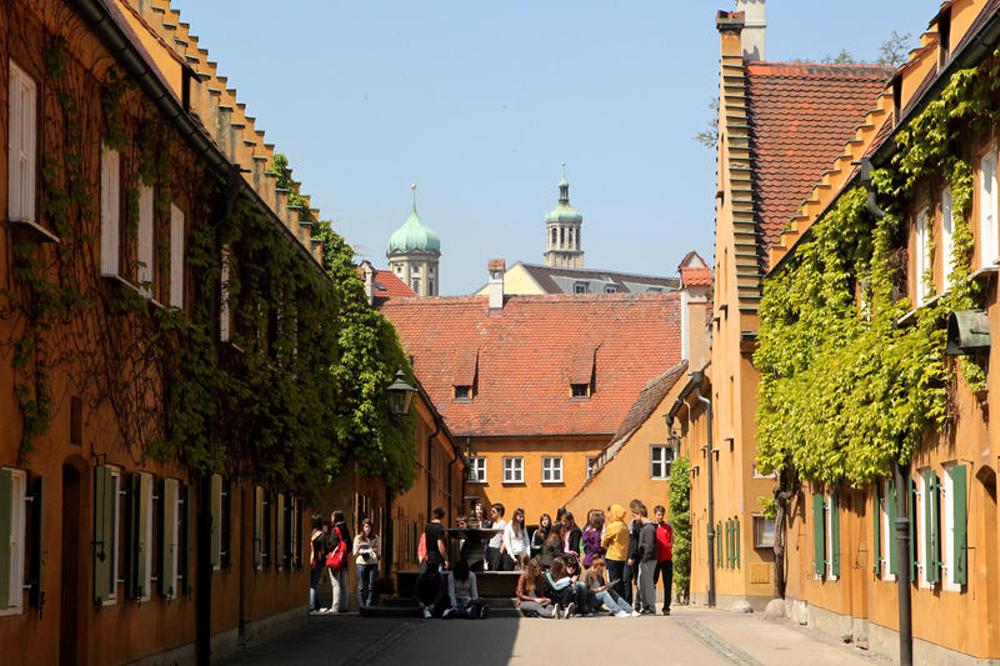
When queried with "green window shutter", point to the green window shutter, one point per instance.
{"points": [[168, 540], [819, 535], [891, 536], [35, 563], [730, 559], [736, 539], [279, 558], [258, 526], [104, 508], [834, 534], [933, 512], [959, 486], [911, 500], [142, 565], [718, 546], [215, 497], [6, 502], [131, 542], [184, 538], [876, 532]]}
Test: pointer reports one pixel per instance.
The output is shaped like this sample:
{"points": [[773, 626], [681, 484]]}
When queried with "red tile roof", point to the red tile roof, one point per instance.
{"points": [[801, 115], [527, 354], [696, 276], [387, 285]]}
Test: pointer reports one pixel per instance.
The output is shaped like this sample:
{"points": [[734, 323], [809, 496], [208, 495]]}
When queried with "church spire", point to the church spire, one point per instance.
{"points": [[564, 187], [413, 188]]}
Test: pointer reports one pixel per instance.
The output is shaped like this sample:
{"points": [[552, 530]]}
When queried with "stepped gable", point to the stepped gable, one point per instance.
{"points": [[523, 358], [800, 115]]}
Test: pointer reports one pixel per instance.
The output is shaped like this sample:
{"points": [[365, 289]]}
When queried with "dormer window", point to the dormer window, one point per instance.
{"points": [[944, 37], [610, 289], [463, 393], [897, 98], [579, 391], [580, 288]]}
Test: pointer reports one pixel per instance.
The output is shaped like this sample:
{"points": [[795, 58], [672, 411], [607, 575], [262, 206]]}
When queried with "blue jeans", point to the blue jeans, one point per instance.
{"points": [[612, 602], [616, 571], [315, 576], [366, 584]]}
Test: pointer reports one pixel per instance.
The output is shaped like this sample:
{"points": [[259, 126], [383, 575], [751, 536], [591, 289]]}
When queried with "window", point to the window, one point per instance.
{"points": [[763, 532], [415, 269], [513, 470], [947, 231], [885, 543], [430, 270], [922, 264], [144, 268], [477, 469], [591, 463], [415, 285], [552, 470], [430, 288], [145, 554], [22, 142], [988, 208], [580, 288], [110, 211], [610, 289], [660, 459], [176, 257], [171, 503], [579, 390], [463, 393], [107, 522], [655, 290], [826, 535], [920, 533], [13, 530], [397, 268]]}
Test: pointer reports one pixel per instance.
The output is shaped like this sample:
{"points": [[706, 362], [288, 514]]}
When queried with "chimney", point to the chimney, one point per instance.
{"points": [[696, 280], [496, 267], [754, 29], [369, 275]]}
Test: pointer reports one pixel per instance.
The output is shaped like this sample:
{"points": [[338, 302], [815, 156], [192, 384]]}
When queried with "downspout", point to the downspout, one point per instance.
{"points": [[711, 501], [427, 469], [902, 494]]}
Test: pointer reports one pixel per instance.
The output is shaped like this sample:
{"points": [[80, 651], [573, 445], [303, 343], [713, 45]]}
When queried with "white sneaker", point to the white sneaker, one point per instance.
{"points": [[622, 613], [635, 613], [568, 613], [427, 614], [447, 612]]}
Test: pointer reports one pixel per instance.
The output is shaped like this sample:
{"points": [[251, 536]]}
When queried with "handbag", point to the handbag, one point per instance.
{"points": [[335, 558]]}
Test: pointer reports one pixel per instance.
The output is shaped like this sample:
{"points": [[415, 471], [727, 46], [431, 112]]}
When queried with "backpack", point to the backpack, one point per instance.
{"points": [[335, 558], [422, 548]]}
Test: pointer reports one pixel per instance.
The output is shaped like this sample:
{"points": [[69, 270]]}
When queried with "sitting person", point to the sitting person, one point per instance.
{"points": [[463, 594], [431, 593], [529, 599], [599, 591], [560, 589], [573, 566], [551, 549]]}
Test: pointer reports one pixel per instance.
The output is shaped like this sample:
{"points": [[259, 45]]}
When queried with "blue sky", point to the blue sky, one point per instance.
{"points": [[478, 103]]}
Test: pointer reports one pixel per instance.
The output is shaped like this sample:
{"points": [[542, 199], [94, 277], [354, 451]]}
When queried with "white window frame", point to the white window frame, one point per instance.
{"points": [[828, 537], [887, 532], [477, 469], [758, 533], [552, 469], [111, 210], [591, 461], [947, 237], [116, 526], [145, 256], [922, 262], [988, 249], [664, 460], [171, 493], [22, 145], [513, 469], [948, 583], [18, 534], [176, 257], [921, 532]]}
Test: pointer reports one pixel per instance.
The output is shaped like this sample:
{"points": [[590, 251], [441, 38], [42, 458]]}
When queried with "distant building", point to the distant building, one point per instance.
{"points": [[381, 285], [525, 279], [563, 246], [413, 254]]}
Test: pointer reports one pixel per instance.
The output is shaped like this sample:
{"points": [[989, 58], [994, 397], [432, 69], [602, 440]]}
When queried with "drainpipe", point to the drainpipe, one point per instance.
{"points": [[711, 501], [427, 469]]}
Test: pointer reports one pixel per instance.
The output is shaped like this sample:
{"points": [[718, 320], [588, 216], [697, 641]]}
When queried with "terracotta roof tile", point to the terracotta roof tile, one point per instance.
{"points": [[531, 350], [801, 115], [387, 286]]}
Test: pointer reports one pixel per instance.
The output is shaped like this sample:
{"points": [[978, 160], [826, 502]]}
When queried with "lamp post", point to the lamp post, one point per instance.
{"points": [[400, 395]]}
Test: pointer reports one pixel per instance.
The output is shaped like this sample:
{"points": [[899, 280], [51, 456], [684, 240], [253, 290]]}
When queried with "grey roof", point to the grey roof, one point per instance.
{"points": [[555, 280]]}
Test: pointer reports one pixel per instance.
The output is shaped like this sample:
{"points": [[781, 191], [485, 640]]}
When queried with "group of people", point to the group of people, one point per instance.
{"points": [[564, 570], [332, 548]]}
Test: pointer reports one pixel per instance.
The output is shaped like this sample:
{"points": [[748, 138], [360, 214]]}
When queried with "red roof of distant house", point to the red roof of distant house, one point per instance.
{"points": [[801, 116], [387, 285], [521, 360]]}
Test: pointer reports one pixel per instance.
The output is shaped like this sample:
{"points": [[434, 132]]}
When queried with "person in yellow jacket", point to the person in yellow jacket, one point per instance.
{"points": [[615, 542]]}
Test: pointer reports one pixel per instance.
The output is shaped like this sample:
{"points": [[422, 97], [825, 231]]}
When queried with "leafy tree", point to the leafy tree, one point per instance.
{"points": [[893, 50], [709, 137], [680, 519]]}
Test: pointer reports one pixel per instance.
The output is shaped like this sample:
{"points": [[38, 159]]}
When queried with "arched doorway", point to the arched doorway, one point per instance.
{"points": [[73, 570], [988, 565]]}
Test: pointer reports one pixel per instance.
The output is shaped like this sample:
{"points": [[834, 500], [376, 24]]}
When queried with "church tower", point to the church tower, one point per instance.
{"points": [[413, 254], [563, 247]]}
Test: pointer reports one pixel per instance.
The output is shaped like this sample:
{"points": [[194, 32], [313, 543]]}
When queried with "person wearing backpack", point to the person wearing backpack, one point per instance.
{"points": [[338, 545]]}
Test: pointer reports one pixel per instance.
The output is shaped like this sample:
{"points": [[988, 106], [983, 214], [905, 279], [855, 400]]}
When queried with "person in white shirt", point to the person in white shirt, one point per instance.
{"points": [[515, 541], [495, 548]]}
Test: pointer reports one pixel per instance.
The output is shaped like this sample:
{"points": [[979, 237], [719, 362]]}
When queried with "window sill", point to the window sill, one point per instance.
{"points": [[514, 483], [15, 610], [554, 483], [42, 234], [476, 482]]}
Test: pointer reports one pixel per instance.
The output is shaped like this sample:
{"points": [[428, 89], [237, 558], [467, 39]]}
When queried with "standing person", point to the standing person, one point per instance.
{"points": [[338, 545], [478, 520], [601, 591], [540, 534], [615, 542], [664, 556], [591, 539], [437, 551], [632, 564], [515, 540], [570, 534], [367, 551], [495, 547], [317, 561], [464, 595], [647, 563], [529, 599]]}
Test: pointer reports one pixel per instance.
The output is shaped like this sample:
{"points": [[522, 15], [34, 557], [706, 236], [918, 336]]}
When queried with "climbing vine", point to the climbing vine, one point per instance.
{"points": [[851, 381], [680, 519]]}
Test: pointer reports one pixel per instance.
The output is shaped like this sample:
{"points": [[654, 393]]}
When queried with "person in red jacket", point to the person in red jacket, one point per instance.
{"points": [[664, 555]]}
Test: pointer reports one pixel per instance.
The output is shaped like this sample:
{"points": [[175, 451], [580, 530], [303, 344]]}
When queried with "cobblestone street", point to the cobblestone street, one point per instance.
{"points": [[689, 636]]}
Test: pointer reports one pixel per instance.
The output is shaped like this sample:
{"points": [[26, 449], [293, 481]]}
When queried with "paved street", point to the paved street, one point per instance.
{"points": [[690, 636]]}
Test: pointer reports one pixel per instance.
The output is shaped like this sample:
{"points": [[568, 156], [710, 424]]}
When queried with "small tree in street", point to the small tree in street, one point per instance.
{"points": [[680, 518]]}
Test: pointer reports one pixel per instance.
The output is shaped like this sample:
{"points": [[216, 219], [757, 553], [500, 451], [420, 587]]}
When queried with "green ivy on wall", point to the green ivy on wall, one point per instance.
{"points": [[680, 518]]}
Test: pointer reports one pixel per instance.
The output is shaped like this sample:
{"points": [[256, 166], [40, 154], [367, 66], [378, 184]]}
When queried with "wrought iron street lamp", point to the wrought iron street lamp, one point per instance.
{"points": [[400, 395]]}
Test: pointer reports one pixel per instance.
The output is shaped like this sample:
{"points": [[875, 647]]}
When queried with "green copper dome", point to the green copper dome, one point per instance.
{"points": [[413, 236], [563, 212]]}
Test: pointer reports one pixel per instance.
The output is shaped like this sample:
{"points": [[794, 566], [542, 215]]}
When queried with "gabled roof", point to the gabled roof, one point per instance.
{"points": [[800, 115], [528, 353], [387, 284], [555, 280]]}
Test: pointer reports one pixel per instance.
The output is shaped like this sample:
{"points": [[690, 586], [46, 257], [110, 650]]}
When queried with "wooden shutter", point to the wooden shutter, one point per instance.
{"points": [[104, 512], [891, 540], [932, 512], [227, 523], [911, 499], [215, 496], [736, 541], [876, 532], [718, 546], [110, 211], [145, 257], [959, 487], [834, 535], [819, 535], [6, 533], [144, 554], [184, 539], [22, 140], [169, 538], [176, 257], [280, 525], [35, 563], [258, 527]]}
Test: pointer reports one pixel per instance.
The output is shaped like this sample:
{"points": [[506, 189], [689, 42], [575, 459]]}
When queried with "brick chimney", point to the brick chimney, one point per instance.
{"points": [[497, 268], [696, 281], [754, 29]]}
